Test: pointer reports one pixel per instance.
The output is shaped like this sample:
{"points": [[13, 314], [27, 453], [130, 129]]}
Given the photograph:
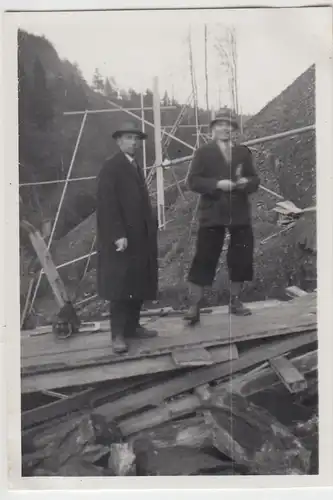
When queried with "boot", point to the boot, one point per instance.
{"points": [[119, 345], [133, 328], [193, 313], [237, 307], [142, 332]]}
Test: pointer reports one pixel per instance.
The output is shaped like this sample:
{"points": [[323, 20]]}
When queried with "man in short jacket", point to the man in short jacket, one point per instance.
{"points": [[222, 172], [126, 239]]}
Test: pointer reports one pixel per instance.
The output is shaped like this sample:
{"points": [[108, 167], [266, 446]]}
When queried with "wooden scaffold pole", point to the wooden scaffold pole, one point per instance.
{"points": [[78, 140], [158, 155], [144, 156]]}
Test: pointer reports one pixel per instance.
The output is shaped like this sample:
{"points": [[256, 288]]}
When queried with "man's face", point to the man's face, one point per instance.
{"points": [[222, 131], [128, 143]]}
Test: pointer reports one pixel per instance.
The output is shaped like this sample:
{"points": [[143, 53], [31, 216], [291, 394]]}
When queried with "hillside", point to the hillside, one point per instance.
{"points": [[279, 261], [285, 166], [49, 87], [47, 140]]}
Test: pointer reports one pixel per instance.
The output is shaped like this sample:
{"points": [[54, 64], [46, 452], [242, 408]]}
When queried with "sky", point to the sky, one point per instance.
{"points": [[274, 46]]}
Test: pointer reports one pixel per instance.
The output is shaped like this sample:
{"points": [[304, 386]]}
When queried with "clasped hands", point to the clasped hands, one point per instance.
{"points": [[227, 185]]}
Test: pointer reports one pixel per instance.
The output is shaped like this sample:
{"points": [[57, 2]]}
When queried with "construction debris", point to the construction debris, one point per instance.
{"points": [[187, 406]]}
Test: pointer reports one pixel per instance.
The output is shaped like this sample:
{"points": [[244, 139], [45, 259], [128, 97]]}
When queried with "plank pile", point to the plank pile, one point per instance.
{"points": [[199, 417]]}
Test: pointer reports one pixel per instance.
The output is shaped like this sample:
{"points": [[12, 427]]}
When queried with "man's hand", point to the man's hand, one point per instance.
{"points": [[225, 185], [242, 181], [121, 244]]}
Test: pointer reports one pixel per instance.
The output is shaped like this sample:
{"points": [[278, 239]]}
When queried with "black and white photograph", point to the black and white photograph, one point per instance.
{"points": [[167, 191]]}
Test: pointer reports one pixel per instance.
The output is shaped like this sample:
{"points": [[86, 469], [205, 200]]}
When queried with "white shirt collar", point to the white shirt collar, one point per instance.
{"points": [[129, 157]]}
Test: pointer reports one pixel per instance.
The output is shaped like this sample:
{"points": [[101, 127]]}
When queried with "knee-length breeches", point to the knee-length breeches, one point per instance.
{"points": [[208, 250]]}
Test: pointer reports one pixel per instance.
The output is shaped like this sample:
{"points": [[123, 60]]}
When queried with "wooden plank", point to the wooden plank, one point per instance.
{"points": [[77, 402], [160, 392], [265, 377], [216, 330], [191, 357], [170, 311], [254, 306], [56, 409], [288, 374], [35, 382], [86, 358], [152, 396], [191, 403], [295, 291], [49, 268]]}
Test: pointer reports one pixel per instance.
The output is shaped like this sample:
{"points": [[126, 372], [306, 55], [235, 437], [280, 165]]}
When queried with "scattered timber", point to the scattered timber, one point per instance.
{"points": [[180, 404]]}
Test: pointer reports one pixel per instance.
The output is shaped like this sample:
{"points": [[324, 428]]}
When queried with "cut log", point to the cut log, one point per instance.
{"points": [[293, 380]]}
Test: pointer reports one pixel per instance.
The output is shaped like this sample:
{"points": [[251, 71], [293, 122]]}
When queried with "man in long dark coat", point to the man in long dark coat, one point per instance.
{"points": [[126, 239], [222, 172]]}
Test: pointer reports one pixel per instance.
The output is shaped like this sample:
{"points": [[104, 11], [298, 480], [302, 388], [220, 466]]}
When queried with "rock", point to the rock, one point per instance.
{"points": [[252, 437], [122, 460]]}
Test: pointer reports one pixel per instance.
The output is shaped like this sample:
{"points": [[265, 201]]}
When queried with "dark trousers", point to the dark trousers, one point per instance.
{"points": [[208, 250], [124, 316]]}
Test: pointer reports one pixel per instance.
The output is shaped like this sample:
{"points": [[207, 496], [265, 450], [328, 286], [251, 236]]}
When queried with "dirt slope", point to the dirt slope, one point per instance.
{"points": [[286, 166]]}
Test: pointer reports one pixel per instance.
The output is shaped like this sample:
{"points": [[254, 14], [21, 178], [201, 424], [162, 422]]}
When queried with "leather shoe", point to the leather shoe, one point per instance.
{"points": [[141, 332], [119, 345]]}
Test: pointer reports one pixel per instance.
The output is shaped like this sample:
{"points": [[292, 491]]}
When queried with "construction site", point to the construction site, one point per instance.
{"points": [[230, 396]]}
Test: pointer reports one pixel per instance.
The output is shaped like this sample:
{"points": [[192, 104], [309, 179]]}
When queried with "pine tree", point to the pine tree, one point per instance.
{"points": [[97, 81], [166, 100], [149, 98], [42, 98], [107, 88]]}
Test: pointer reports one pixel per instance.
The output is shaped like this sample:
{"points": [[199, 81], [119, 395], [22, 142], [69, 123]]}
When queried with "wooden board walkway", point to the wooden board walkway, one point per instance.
{"points": [[48, 363]]}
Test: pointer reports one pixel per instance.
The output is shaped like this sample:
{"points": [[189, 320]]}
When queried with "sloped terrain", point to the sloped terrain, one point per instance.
{"points": [[286, 166]]}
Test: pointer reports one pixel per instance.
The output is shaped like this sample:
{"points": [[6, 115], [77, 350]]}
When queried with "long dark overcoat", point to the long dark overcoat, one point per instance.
{"points": [[216, 207], [124, 211]]}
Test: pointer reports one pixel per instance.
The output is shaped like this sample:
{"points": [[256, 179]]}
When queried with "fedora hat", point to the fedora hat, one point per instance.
{"points": [[129, 128], [225, 115]]}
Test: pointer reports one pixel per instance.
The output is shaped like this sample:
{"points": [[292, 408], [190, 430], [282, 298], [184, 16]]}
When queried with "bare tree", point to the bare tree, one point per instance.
{"points": [[194, 89], [226, 46], [206, 68]]}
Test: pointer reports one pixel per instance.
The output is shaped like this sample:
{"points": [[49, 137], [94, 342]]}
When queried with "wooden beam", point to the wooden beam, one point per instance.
{"points": [[264, 377], [79, 401], [293, 380], [158, 155], [110, 110], [158, 393], [50, 270], [192, 402]]}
